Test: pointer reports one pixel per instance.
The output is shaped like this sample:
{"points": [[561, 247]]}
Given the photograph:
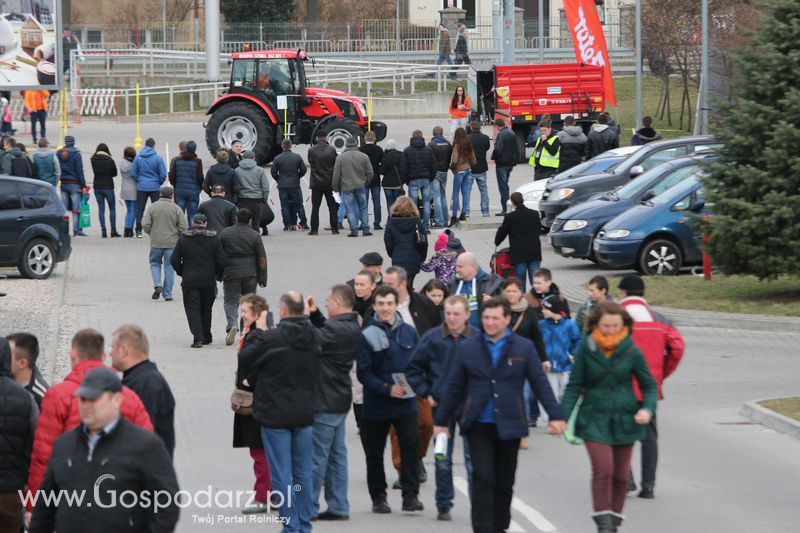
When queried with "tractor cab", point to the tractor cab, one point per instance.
{"points": [[268, 99]]}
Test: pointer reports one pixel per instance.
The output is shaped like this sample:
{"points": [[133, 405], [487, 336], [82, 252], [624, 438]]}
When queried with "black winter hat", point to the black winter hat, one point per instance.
{"points": [[556, 304], [372, 259], [632, 283]]}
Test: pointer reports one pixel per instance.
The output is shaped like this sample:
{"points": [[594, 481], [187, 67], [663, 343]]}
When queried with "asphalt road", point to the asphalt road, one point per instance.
{"points": [[718, 472]]}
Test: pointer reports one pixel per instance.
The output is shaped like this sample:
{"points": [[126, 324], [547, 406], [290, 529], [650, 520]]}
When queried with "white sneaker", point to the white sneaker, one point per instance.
{"points": [[231, 335]]}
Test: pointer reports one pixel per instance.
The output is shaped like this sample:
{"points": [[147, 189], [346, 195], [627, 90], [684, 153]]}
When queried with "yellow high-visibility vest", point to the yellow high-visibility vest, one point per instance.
{"points": [[545, 159]]}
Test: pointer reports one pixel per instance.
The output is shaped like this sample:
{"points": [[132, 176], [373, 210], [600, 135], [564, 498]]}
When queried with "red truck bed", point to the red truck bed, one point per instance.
{"points": [[526, 92]]}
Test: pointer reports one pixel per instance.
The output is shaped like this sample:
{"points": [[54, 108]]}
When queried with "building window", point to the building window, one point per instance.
{"points": [[466, 5]]}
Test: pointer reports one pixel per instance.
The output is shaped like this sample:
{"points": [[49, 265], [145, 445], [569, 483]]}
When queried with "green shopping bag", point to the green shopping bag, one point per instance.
{"points": [[569, 433], [85, 214]]}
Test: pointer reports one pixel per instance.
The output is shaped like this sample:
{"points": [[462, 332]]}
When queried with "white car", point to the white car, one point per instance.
{"points": [[533, 190]]}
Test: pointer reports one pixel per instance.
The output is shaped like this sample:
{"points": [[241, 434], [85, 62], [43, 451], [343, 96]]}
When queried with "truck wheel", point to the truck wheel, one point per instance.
{"points": [[660, 257], [241, 121], [38, 259], [338, 130], [521, 139]]}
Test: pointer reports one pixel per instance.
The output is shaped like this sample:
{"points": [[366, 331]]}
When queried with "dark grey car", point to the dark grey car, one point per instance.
{"points": [[34, 227]]}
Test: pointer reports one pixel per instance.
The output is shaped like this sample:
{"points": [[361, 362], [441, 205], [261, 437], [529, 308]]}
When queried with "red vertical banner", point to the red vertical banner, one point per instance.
{"points": [[589, 40]]}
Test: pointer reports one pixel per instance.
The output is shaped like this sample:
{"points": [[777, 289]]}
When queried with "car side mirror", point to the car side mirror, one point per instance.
{"points": [[697, 205], [648, 195], [636, 171]]}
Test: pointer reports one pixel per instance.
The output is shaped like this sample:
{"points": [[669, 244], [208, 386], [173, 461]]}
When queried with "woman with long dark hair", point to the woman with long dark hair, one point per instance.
{"points": [[460, 107], [461, 162], [610, 420], [105, 170], [128, 192]]}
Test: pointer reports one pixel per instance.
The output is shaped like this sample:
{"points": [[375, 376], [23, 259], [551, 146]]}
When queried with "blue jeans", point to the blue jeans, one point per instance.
{"points": [[444, 59], [503, 173], [289, 454], [531, 403], [330, 462], [439, 186], [188, 202], [391, 195], [462, 185], [41, 117], [525, 272], [292, 206], [342, 212], [130, 214], [375, 190], [72, 201], [104, 196], [424, 185], [159, 256], [356, 203], [444, 472], [480, 180]]}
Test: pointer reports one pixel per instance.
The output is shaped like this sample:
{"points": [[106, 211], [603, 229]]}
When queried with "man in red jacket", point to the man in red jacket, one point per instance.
{"points": [[59, 412], [662, 347]]}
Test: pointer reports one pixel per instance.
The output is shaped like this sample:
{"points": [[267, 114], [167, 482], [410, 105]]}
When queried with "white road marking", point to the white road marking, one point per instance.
{"points": [[532, 515]]}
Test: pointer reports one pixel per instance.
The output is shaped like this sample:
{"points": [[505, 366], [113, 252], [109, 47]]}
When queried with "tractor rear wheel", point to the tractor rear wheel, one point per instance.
{"points": [[245, 122]]}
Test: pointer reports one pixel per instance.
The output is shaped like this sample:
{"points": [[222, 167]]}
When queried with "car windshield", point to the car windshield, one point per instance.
{"points": [[596, 165], [655, 180], [675, 194]]}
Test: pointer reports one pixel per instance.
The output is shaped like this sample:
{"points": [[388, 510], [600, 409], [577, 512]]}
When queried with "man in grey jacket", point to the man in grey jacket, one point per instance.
{"points": [[254, 187], [46, 163], [164, 222], [246, 267], [287, 169], [351, 173]]}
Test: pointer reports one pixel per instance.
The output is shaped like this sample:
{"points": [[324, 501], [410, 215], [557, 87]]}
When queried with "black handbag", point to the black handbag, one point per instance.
{"points": [[422, 240]]}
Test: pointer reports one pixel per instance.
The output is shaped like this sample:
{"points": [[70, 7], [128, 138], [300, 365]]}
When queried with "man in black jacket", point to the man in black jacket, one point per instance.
{"points": [[287, 169], [341, 335], [224, 175], [442, 151], [200, 260], [18, 414], [375, 154], [24, 353], [480, 144], [523, 229], [245, 268], [418, 168], [505, 156], [130, 354], [105, 457], [284, 364], [219, 212], [321, 158]]}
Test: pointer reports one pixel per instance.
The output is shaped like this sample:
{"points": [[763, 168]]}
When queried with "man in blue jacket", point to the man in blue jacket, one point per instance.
{"points": [[427, 375], [486, 378], [149, 171], [385, 351], [73, 181]]}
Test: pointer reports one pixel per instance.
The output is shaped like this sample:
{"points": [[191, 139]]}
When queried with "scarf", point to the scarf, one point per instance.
{"points": [[609, 343], [521, 306], [242, 335]]}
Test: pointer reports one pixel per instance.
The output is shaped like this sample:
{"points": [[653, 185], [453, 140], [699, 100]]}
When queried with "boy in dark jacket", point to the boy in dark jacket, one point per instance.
{"points": [[442, 151], [186, 175], [392, 179], [375, 154], [480, 144], [561, 337], [73, 183], [418, 168]]}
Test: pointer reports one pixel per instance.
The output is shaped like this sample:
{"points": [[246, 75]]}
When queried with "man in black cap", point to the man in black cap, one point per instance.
{"points": [[186, 175], [108, 456], [662, 346], [200, 260], [163, 222], [372, 261], [219, 212]]}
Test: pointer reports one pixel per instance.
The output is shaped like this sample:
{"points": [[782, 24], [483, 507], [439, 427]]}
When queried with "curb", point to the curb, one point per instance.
{"points": [[768, 418], [54, 324]]}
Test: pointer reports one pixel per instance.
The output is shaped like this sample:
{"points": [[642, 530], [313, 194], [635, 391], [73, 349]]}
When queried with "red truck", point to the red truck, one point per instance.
{"points": [[521, 94]]}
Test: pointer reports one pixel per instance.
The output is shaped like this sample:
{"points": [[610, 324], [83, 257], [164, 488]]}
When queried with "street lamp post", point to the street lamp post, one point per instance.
{"points": [[638, 63]]}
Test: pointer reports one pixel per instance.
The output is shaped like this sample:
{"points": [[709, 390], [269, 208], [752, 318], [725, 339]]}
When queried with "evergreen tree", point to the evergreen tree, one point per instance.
{"points": [[257, 10], [755, 188]]}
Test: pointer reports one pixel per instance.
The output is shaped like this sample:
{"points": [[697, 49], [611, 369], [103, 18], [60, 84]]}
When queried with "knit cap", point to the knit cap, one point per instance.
{"points": [[441, 243]]}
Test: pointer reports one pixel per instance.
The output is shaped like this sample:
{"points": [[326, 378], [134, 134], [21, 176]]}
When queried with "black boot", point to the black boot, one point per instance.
{"points": [[114, 233], [616, 520], [103, 233], [604, 522]]}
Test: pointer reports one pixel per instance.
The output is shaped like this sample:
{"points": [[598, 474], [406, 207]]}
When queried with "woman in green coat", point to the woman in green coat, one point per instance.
{"points": [[610, 420]]}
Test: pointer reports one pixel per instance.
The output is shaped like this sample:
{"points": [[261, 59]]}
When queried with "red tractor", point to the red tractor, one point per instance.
{"points": [[268, 91]]}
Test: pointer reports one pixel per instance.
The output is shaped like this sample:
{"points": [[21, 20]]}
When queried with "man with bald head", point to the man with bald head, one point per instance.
{"points": [[474, 284], [284, 364]]}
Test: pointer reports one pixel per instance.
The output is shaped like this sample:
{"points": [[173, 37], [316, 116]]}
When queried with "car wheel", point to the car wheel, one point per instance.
{"points": [[38, 259], [660, 257]]}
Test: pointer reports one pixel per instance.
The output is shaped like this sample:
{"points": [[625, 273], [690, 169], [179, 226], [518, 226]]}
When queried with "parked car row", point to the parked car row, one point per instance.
{"points": [[633, 213], [34, 227]]}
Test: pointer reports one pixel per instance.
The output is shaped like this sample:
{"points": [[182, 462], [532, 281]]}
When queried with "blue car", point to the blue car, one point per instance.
{"points": [[573, 230], [657, 237]]}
